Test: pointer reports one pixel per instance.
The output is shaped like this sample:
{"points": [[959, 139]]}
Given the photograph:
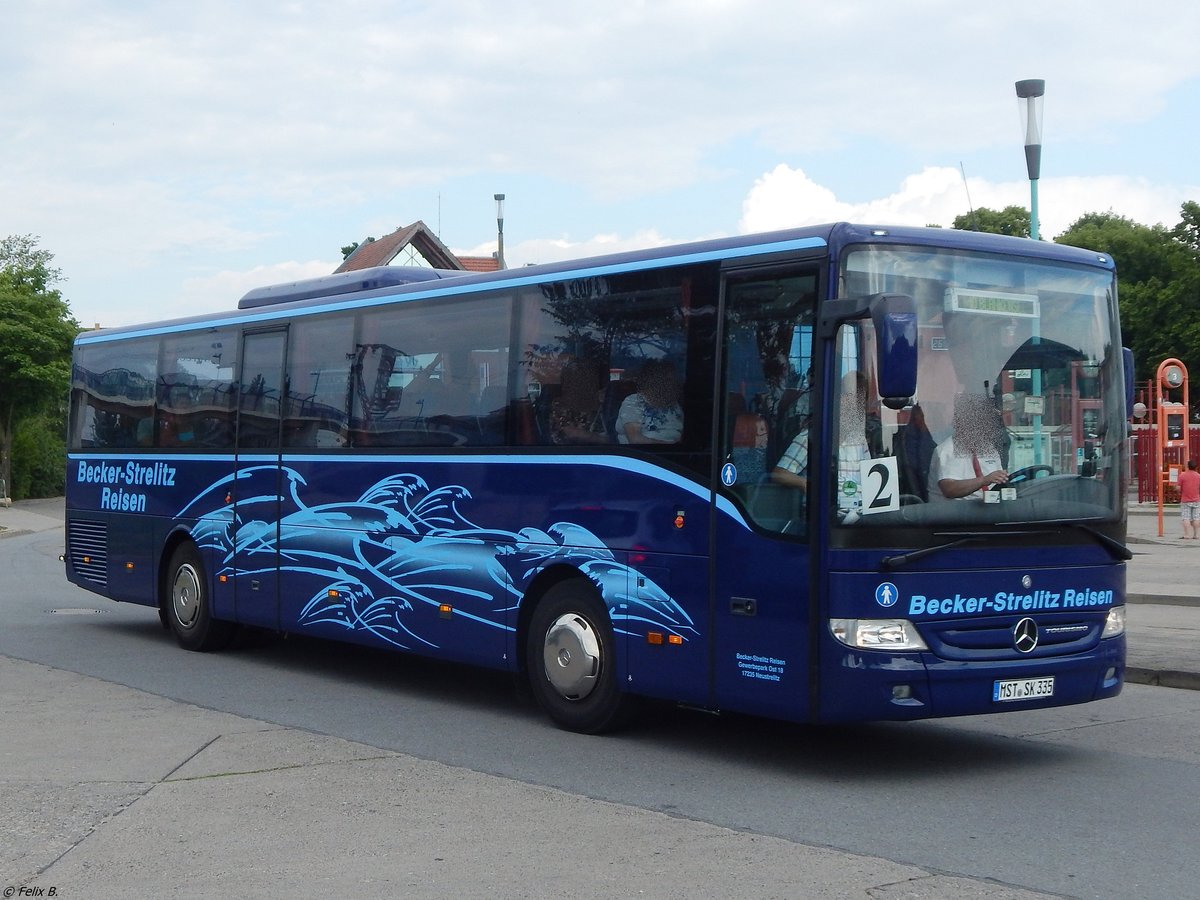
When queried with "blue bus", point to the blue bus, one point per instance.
{"points": [[828, 474]]}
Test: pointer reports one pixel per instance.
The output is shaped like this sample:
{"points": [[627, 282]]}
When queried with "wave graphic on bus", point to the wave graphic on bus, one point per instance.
{"points": [[398, 560]]}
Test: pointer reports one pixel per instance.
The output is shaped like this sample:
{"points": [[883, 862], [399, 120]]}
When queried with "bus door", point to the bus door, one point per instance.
{"points": [[760, 546], [257, 485]]}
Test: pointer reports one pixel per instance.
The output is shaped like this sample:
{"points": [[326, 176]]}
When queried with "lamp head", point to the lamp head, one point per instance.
{"points": [[1029, 103], [1031, 87]]}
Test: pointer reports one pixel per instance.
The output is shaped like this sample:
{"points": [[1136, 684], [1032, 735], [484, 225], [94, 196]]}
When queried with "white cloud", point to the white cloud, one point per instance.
{"points": [[787, 197], [548, 250], [221, 291]]}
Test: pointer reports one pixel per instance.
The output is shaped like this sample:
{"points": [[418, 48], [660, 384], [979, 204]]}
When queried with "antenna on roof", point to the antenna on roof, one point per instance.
{"points": [[970, 208]]}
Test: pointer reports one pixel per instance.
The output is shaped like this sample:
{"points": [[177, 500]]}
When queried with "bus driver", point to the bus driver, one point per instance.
{"points": [[968, 462]]}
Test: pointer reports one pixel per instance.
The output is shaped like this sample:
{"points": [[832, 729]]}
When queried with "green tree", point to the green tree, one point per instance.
{"points": [[1013, 220], [1158, 270], [350, 248], [39, 454], [36, 333], [1187, 232]]}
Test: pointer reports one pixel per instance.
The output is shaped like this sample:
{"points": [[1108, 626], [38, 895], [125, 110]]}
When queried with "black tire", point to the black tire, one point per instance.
{"points": [[187, 606], [570, 656]]}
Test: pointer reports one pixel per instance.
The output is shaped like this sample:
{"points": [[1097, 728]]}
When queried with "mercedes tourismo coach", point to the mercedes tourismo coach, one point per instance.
{"points": [[829, 474]]}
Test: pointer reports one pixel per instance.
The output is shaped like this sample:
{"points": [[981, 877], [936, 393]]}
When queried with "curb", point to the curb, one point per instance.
{"points": [[1189, 681], [1162, 599]]}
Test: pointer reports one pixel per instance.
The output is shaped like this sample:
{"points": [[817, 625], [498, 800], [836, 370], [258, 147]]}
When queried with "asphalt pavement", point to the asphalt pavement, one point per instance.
{"points": [[107, 791]]}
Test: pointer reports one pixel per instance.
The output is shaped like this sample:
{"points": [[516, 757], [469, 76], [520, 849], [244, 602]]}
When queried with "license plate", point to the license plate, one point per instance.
{"points": [[1023, 689]]}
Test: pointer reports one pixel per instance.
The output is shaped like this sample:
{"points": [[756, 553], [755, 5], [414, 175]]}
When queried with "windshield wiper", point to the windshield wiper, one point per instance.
{"points": [[889, 563], [1115, 548]]}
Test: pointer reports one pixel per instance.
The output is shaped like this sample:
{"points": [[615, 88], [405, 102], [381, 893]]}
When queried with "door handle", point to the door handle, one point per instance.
{"points": [[743, 606]]}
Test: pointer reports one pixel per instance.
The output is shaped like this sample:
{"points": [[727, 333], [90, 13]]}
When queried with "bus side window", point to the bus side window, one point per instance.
{"points": [[318, 382], [421, 379], [196, 391], [585, 341], [115, 383]]}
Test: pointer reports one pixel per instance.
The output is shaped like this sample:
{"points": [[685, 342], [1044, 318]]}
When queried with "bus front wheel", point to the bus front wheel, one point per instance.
{"points": [[571, 660], [188, 606]]}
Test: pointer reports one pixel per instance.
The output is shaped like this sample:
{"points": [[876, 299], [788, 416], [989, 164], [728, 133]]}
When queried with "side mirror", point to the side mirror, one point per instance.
{"points": [[895, 320]]}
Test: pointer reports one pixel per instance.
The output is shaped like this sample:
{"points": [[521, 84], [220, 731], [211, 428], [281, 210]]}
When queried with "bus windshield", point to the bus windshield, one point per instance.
{"points": [[1018, 414]]}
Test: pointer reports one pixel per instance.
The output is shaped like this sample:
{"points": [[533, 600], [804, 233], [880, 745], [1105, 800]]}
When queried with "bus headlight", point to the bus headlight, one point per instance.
{"points": [[877, 634], [1114, 625]]}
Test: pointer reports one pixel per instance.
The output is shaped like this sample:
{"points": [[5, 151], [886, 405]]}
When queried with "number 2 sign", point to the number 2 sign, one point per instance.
{"points": [[880, 485]]}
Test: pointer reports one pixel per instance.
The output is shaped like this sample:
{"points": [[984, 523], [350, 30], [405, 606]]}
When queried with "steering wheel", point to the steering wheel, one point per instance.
{"points": [[1028, 473]]}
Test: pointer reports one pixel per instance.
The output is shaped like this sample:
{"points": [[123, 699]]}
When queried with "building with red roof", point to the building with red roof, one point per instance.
{"points": [[413, 245]]}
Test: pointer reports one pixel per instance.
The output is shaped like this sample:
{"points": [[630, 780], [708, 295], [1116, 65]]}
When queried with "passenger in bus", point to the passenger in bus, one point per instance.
{"points": [[575, 416], [170, 432], [792, 468], [968, 462], [749, 451], [916, 453], [652, 414], [853, 448]]}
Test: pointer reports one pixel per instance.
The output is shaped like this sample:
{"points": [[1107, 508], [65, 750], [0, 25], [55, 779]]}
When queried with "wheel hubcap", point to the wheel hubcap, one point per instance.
{"points": [[572, 656], [185, 596]]}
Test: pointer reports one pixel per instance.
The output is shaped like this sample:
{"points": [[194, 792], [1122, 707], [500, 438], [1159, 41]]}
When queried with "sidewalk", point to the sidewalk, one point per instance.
{"points": [[1163, 601], [27, 516], [1163, 589]]}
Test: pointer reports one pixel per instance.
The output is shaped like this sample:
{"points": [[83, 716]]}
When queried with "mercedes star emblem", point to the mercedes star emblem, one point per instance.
{"points": [[1025, 635]]}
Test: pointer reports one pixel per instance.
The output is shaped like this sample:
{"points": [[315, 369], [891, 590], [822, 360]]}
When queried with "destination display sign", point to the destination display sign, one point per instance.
{"points": [[992, 303]]}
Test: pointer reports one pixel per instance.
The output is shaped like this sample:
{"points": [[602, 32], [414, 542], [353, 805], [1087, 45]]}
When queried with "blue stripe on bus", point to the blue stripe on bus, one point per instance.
{"points": [[624, 463], [613, 268]]}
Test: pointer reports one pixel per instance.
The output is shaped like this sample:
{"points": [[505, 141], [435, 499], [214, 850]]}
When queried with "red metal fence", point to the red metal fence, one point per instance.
{"points": [[1145, 461]]}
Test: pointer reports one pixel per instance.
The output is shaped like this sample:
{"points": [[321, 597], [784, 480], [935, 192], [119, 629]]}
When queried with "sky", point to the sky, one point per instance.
{"points": [[174, 155]]}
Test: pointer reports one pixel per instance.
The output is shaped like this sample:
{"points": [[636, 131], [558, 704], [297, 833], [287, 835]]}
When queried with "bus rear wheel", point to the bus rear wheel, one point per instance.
{"points": [[571, 661], [188, 606]]}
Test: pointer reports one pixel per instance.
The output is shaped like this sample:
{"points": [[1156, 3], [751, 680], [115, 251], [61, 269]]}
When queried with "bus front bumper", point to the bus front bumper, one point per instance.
{"points": [[858, 685]]}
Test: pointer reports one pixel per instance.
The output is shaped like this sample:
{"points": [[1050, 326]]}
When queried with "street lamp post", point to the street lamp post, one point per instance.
{"points": [[500, 230], [1029, 100]]}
